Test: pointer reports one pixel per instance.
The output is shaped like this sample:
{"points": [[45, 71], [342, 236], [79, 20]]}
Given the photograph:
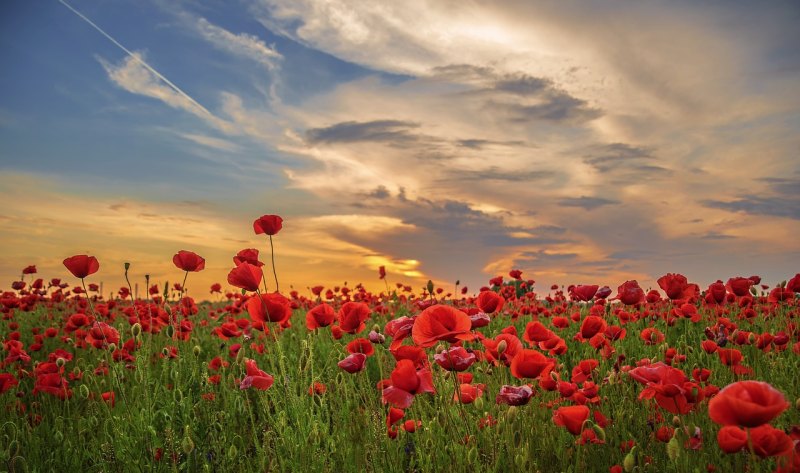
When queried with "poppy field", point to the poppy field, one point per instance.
{"points": [[247, 376]]}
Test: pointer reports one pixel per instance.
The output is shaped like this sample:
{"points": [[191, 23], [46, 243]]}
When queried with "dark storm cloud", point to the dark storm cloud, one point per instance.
{"points": [[386, 131]]}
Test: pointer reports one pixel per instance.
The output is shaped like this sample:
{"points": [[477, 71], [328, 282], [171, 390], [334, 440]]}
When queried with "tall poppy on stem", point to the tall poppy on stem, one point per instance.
{"points": [[269, 225], [81, 266], [188, 261]]}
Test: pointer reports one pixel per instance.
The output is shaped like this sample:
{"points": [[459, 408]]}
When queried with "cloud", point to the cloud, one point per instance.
{"points": [[757, 205], [392, 131], [242, 44], [586, 203]]}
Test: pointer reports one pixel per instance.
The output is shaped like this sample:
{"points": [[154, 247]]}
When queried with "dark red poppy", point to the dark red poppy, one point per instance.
{"points": [[441, 323], [490, 302], [352, 316], [245, 276], [7, 381], [354, 363], [514, 395], [591, 326], [268, 224], [454, 359], [82, 265], [530, 364], [515, 274], [629, 293], [53, 384], [255, 378], [248, 255], [406, 382], [571, 417], [739, 286], [677, 286], [382, 272], [793, 284], [101, 335], [747, 404], [272, 307], [321, 315], [216, 288], [716, 292], [189, 261], [360, 345], [583, 292], [29, 269]]}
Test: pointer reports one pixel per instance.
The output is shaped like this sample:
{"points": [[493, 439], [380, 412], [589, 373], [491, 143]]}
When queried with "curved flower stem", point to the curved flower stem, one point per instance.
{"points": [[274, 272]]}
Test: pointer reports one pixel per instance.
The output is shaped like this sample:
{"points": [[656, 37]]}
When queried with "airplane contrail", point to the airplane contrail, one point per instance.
{"points": [[138, 59]]}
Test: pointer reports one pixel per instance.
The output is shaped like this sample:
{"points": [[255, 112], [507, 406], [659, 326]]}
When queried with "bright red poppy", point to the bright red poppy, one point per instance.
{"points": [[255, 378], [732, 439], [245, 276], [739, 286], [747, 404], [354, 363], [352, 316], [189, 261], [441, 323], [101, 335], [405, 383], [571, 417], [677, 286], [583, 292], [82, 265], [268, 224], [770, 442], [468, 393], [629, 293], [272, 307], [248, 255], [321, 315], [530, 364]]}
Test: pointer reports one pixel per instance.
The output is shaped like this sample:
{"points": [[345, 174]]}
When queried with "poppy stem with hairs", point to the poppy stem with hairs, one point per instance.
{"points": [[274, 272], [88, 299]]}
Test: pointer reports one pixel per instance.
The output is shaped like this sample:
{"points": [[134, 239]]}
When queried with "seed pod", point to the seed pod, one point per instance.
{"points": [[196, 350]]}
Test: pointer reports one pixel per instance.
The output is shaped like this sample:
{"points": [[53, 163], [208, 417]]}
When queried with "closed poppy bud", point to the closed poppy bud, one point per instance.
{"points": [[601, 433], [629, 462], [60, 362], [84, 391], [127, 266], [501, 347], [239, 356], [170, 331], [196, 350], [673, 448], [187, 444], [112, 347], [136, 330]]}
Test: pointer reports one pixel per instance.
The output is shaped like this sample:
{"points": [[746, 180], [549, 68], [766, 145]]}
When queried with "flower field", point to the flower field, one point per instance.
{"points": [[506, 378]]}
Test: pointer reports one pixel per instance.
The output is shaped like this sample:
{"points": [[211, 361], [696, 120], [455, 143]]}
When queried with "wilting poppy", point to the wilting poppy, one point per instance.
{"points": [[268, 224], [747, 404], [82, 265], [272, 307], [245, 276], [189, 261], [441, 323], [406, 382], [530, 364], [454, 359], [255, 378], [571, 417], [353, 363], [514, 395]]}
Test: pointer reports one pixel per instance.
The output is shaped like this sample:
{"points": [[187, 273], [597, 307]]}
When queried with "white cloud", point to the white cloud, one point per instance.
{"points": [[242, 44]]}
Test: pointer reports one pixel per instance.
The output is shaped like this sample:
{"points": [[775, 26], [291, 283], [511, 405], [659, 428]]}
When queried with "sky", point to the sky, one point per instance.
{"points": [[580, 142]]}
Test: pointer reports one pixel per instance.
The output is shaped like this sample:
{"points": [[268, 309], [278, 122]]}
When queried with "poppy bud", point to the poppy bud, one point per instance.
{"points": [[127, 266], [601, 433], [168, 309], [629, 463], [60, 362], [676, 421], [178, 396], [430, 286], [196, 350], [753, 291], [501, 347], [439, 348], [239, 355], [187, 445], [170, 331], [797, 404], [84, 391], [112, 347], [673, 448], [511, 412], [136, 330], [376, 328], [751, 338], [479, 402]]}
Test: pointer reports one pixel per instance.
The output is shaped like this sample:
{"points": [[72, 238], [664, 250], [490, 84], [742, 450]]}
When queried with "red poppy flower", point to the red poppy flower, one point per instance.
{"points": [[360, 345], [189, 261], [413, 353], [352, 316], [770, 442], [441, 323], [255, 378], [671, 388], [454, 359], [584, 293], [677, 286], [793, 284], [110, 398], [7, 381], [747, 404], [272, 307], [629, 293], [514, 395], [382, 272], [353, 363], [248, 255], [102, 335], [53, 384], [571, 417], [468, 393], [536, 332], [245, 276], [490, 302], [82, 265], [268, 224], [321, 315], [530, 364], [216, 288], [716, 293], [515, 274], [29, 269], [394, 416], [732, 439], [591, 326], [407, 382], [739, 286]]}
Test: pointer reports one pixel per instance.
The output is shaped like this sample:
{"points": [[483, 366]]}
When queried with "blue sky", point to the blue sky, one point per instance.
{"points": [[587, 143]]}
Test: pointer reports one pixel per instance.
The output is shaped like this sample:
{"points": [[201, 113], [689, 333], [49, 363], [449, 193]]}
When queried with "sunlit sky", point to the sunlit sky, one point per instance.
{"points": [[581, 142]]}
